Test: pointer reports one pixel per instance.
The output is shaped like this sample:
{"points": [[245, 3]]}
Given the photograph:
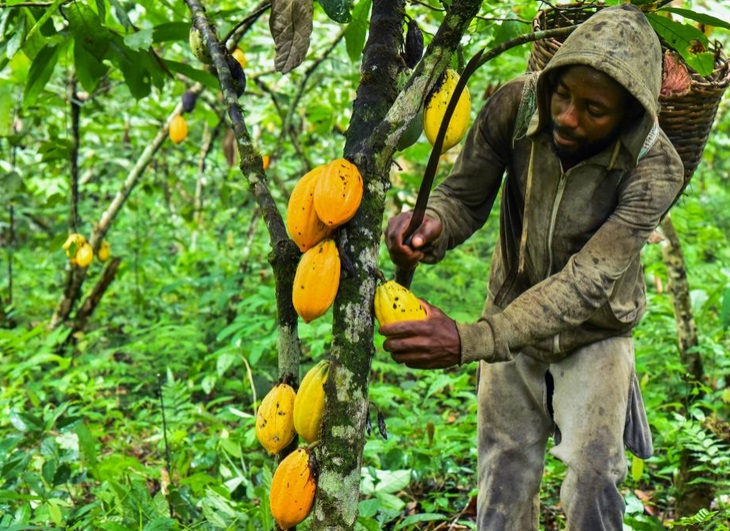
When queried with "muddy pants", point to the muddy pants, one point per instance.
{"points": [[592, 404]]}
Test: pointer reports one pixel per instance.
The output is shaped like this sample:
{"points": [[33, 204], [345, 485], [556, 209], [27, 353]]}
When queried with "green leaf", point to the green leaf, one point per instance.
{"points": [[134, 66], [47, 14], [40, 72], [88, 31], [193, 73], [357, 30], [140, 40], [337, 10], [421, 517], [685, 39], [702, 18], [637, 468], [17, 37], [171, 31], [89, 70]]}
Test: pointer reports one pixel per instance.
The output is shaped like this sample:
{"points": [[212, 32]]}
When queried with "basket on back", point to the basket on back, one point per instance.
{"points": [[686, 117]]}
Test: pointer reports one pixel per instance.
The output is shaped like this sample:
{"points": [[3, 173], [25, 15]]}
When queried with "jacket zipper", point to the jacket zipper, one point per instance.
{"points": [[553, 217]]}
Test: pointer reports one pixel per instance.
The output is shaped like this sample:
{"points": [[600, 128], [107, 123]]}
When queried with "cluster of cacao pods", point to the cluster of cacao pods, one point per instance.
{"points": [[323, 199], [80, 253], [282, 414]]}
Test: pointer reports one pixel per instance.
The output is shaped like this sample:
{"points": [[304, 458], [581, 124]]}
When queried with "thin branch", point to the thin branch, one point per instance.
{"points": [[245, 24], [33, 4], [74, 155], [92, 301], [285, 252]]}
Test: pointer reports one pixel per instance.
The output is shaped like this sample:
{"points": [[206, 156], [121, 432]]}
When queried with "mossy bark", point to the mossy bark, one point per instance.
{"points": [[370, 144]]}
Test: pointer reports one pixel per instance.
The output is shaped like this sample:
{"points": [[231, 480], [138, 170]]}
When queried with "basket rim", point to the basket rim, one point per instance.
{"points": [[719, 78]]}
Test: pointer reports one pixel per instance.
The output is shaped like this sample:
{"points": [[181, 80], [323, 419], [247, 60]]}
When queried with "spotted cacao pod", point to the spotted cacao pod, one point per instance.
{"points": [[395, 303], [338, 192], [309, 402], [293, 486], [302, 222], [316, 280], [275, 419], [435, 110]]}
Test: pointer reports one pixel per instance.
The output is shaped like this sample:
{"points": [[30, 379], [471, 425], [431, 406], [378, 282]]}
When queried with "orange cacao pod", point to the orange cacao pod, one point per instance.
{"points": [[338, 193], [178, 129], [293, 487], [305, 228], [316, 280]]}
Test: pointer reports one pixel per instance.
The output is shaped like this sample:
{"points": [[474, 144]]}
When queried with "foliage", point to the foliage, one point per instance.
{"points": [[149, 422]]}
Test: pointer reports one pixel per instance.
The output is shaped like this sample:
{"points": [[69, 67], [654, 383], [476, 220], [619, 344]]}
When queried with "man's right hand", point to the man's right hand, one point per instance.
{"points": [[407, 256]]}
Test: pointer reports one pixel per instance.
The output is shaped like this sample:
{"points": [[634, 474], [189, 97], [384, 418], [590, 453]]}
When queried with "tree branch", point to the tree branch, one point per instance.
{"points": [[285, 253]]}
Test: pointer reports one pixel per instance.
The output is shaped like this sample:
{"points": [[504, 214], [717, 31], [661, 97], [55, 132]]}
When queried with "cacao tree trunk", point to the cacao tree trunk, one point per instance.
{"points": [[370, 144], [692, 495]]}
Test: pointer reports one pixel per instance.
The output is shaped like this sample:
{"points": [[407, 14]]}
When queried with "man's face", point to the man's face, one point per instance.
{"points": [[587, 108]]}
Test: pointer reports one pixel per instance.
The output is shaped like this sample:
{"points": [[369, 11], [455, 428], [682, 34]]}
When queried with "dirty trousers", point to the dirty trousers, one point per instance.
{"points": [[595, 403]]}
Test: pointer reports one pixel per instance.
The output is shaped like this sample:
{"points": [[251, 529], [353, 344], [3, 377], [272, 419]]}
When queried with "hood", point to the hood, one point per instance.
{"points": [[620, 42]]}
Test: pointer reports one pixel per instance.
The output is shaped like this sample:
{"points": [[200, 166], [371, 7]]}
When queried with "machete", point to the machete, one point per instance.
{"points": [[405, 276]]}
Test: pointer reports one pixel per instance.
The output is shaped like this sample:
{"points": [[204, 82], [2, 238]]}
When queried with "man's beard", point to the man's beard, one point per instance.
{"points": [[583, 151]]}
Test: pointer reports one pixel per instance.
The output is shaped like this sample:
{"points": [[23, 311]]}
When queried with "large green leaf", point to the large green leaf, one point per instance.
{"points": [[702, 18], [88, 31], [89, 70], [337, 10], [690, 42], [357, 30], [207, 79], [39, 73], [171, 31]]}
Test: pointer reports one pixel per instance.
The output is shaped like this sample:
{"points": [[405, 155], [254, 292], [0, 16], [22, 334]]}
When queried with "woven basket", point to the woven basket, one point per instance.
{"points": [[686, 119]]}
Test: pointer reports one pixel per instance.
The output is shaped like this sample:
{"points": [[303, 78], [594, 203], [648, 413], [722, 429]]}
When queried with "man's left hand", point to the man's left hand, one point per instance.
{"points": [[431, 343]]}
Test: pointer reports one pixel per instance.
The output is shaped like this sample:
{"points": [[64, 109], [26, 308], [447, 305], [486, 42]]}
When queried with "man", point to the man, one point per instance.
{"points": [[589, 175]]}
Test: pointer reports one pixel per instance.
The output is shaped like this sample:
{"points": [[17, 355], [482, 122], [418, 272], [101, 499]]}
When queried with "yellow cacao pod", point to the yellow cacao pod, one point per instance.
{"points": [[72, 245], [309, 402], [305, 228], [316, 280], [338, 193], [395, 303], [435, 110], [275, 419], [105, 251], [293, 486], [178, 129], [84, 255]]}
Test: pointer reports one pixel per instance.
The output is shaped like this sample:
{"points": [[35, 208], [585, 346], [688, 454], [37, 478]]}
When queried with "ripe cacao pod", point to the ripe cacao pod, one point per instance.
{"points": [[240, 57], [178, 129], [293, 486], [316, 280], [338, 192], [309, 402], [105, 251], [72, 245], [275, 419], [84, 255], [435, 110], [395, 303], [302, 222]]}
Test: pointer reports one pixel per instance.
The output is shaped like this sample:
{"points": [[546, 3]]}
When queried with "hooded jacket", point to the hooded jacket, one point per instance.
{"points": [[566, 270]]}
